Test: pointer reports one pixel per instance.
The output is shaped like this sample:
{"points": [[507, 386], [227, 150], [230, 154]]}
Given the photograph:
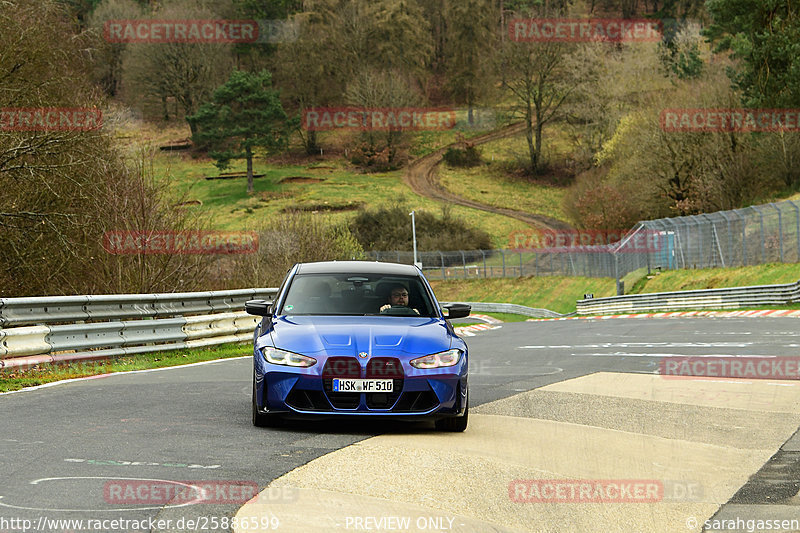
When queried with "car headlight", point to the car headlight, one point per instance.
{"points": [[282, 357], [438, 360]]}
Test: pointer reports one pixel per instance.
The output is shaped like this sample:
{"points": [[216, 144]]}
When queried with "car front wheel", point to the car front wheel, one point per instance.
{"points": [[455, 423]]}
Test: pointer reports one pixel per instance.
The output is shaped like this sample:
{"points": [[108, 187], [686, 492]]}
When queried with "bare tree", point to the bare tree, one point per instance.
{"points": [[63, 189], [185, 72], [107, 58], [540, 78]]}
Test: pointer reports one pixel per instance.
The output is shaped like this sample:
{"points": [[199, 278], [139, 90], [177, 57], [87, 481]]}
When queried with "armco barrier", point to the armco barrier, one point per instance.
{"points": [[488, 307], [732, 298], [72, 328], [76, 328]]}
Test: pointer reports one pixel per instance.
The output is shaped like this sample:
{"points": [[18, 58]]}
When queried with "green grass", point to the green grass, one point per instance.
{"points": [[230, 208], [488, 184], [505, 317], [492, 184], [16, 379], [340, 189], [684, 280], [559, 294]]}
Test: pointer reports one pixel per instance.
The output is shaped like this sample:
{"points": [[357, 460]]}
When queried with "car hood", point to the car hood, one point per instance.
{"points": [[349, 336]]}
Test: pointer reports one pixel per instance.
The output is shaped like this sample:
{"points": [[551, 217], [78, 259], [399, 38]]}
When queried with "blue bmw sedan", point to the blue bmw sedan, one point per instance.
{"points": [[358, 339]]}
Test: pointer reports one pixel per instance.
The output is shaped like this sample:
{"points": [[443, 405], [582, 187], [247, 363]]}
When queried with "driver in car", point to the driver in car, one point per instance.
{"points": [[398, 297]]}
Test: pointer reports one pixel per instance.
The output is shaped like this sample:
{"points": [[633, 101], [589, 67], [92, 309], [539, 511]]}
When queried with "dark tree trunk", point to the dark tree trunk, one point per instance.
{"points": [[249, 156]]}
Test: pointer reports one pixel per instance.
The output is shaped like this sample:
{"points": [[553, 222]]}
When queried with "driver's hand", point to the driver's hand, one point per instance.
{"points": [[385, 307]]}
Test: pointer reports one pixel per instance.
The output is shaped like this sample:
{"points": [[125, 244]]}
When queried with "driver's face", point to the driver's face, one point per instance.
{"points": [[399, 297]]}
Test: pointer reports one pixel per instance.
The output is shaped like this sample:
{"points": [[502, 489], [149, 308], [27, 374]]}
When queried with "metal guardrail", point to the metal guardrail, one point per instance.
{"points": [[74, 328], [731, 298], [533, 312]]}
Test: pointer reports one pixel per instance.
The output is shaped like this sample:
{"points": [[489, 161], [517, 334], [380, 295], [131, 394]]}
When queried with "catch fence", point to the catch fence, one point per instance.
{"points": [[754, 235]]}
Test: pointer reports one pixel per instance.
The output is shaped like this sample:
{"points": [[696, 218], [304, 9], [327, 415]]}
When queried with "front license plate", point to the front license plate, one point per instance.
{"points": [[362, 385]]}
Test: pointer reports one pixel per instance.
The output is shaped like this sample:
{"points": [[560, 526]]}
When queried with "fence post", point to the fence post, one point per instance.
{"points": [[503, 253], [730, 237], [761, 222], [484, 263], [520, 264], [444, 272], [780, 228], [464, 263], [744, 236], [797, 226]]}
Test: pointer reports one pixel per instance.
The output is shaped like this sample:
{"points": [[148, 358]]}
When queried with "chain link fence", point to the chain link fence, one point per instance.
{"points": [[754, 235]]}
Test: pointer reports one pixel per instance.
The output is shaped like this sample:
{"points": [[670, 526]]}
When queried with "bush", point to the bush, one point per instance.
{"points": [[468, 157], [370, 158], [389, 228], [290, 238]]}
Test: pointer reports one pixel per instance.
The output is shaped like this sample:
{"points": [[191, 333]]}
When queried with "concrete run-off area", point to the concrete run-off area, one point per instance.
{"points": [[603, 452]]}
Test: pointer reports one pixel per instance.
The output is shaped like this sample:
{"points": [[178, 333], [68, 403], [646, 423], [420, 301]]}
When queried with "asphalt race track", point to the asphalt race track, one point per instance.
{"points": [[549, 400]]}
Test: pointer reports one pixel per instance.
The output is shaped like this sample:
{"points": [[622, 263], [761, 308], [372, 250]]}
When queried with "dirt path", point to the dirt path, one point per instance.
{"points": [[421, 176]]}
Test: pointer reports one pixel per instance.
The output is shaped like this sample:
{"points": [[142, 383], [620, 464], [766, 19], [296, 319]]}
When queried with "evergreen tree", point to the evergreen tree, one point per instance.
{"points": [[245, 113]]}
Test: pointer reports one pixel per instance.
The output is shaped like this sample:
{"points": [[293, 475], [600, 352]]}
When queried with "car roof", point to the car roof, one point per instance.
{"points": [[356, 267]]}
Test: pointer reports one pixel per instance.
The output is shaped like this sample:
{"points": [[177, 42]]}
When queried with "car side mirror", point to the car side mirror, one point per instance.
{"points": [[457, 311], [258, 307]]}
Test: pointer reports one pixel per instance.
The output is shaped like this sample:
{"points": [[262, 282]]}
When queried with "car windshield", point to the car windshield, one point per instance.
{"points": [[357, 294]]}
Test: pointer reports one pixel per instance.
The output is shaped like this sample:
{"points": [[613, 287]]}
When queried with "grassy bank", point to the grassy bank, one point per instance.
{"points": [[560, 293], [16, 379]]}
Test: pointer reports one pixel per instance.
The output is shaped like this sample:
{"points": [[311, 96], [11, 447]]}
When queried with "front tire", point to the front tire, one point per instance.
{"points": [[455, 424]]}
